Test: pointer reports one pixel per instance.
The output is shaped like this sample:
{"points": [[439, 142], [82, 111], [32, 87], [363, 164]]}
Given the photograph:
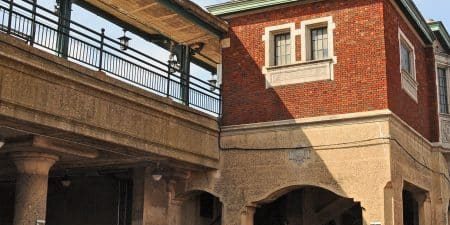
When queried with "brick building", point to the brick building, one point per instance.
{"points": [[337, 96], [329, 112]]}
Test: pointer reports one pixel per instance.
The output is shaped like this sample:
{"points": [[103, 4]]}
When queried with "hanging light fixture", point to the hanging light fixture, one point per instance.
{"points": [[213, 82], [57, 7], [65, 181], [174, 65], [157, 173], [124, 40]]}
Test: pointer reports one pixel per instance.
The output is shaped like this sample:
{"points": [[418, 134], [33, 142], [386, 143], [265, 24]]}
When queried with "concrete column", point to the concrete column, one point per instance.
{"points": [[31, 186], [150, 199], [425, 209], [174, 216]]}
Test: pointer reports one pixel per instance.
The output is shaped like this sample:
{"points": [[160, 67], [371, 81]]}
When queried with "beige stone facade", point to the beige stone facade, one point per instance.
{"points": [[368, 157]]}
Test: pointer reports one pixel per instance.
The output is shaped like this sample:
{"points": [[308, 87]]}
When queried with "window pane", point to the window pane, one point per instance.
{"points": [[443, 95], [282, 49], [405, 52], [319, 43]]}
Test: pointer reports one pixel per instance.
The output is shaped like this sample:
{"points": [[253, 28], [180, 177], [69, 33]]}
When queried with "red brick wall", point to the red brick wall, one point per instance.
{"points": [[422, 116], [364, 57], [359, 80]]}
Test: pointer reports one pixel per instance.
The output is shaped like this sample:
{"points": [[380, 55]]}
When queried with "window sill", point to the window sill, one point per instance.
{"points": [[410, 86], [445, 115], [299, 72], [445, 128]]}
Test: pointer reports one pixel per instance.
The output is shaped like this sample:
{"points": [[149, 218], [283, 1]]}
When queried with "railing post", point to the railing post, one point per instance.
{"points": [[11, 4], [169, 71], [33, 22], [63, 38], [220, 103], [184, 73], [102, 40]]}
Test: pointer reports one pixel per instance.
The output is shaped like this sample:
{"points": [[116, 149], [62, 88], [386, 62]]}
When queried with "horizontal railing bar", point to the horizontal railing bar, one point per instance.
{"points": [[106, 38], [84, 48]]}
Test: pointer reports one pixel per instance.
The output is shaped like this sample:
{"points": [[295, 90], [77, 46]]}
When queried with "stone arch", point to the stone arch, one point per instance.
{"points": [[199, 207], [193, 192], [281, 190], [303, 204]]}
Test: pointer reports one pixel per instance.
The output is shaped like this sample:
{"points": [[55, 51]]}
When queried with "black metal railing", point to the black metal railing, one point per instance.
{"points": [[41, 28]]}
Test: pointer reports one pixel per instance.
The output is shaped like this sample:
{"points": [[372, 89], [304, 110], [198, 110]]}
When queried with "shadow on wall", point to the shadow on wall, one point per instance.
{"points": [[246, 99], [259, 166], [317, 169]]}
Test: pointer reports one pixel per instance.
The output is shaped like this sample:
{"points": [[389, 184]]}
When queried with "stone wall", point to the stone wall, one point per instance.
{"points": [[354, 155], [42, 94], [253, 171]]}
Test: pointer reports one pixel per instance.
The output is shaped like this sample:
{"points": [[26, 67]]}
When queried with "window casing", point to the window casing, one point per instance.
{"points": [[317, 63], [319, 43], [443, 91], [406, 56], [408, 66], [282, 47]]}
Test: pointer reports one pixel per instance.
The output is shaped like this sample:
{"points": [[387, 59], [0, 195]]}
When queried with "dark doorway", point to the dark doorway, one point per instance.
{"points": [[309, 206], [7, 189], [90, 200], [410, 209], [202, 208]]}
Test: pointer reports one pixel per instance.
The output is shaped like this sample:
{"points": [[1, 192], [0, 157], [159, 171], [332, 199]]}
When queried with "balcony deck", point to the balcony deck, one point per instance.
{"points": [[42, 28], [95, 104]]}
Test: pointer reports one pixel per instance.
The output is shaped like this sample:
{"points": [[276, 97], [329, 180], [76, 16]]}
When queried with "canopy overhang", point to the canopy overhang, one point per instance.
{"points": [[181, 21]]}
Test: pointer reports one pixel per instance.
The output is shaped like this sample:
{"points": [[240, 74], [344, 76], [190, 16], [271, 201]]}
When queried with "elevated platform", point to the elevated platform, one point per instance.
{"points": [[89, 119]]}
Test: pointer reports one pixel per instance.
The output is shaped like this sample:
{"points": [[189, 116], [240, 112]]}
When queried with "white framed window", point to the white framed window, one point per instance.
{"points": [[279, 45], [317, 52], [407, 56], [443, 82], [318, 39], [282, 50], [319, 43], [407, 65]]}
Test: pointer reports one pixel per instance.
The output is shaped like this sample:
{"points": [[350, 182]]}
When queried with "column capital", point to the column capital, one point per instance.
{"points": [[33, 162]]}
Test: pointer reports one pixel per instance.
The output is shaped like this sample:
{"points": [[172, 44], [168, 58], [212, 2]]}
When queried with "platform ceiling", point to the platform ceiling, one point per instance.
{"points": [[180, 20]]}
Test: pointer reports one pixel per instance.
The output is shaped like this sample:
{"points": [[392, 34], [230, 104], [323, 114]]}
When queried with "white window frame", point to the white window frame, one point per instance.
{"points": [[306, 27], [305, 70], [269, 40], [408, 80], [446, 68]]}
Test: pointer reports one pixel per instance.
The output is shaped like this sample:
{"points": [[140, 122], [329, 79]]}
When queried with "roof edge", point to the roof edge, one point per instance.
{"points": [[407, 6], [439, 27], [240, 6]]}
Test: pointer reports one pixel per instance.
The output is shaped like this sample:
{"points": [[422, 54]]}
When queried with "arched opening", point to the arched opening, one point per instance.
{"points": [[309, 206], [201, 208]]}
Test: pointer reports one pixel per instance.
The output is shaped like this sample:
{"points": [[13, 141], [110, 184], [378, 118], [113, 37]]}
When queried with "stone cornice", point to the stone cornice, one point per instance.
{"points": [[438, 27]]}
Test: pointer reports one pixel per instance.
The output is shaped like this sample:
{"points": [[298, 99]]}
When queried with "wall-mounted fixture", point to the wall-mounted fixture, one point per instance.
{"points": [[196, 47]]}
